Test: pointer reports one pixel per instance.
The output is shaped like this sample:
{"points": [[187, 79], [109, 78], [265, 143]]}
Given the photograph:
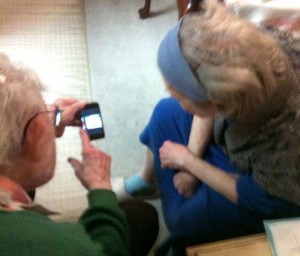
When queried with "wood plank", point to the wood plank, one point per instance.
{"points": [[257, 245]]}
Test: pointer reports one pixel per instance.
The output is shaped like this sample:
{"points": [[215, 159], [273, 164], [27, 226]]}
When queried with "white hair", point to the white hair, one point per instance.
{"points": [[242, 68], [20, 98]]}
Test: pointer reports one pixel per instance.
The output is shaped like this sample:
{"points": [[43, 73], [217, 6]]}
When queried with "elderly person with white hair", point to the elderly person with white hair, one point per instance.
{"points": [[27, 160], [225, 148]]}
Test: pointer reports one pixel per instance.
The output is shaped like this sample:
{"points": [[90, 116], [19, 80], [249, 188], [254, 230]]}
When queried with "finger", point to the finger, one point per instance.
{"points": [[69, 112], [77, 166], [164, 166], [85, 141], [76, 122], [188, 194], [166, 143], [61, 102]]}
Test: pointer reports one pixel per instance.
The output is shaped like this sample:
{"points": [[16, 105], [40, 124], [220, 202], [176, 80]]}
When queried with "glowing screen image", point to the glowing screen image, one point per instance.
{"points": [[93, 121]]}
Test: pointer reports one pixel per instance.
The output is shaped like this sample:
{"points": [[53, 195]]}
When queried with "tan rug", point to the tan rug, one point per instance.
{"points": [[49, 36]]}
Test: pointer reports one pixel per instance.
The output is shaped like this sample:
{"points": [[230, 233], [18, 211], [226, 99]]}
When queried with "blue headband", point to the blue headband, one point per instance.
{"points": [[175, 68]]}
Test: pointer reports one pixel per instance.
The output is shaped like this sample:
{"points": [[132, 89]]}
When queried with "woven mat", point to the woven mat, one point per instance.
{"points": [[49, 36]]}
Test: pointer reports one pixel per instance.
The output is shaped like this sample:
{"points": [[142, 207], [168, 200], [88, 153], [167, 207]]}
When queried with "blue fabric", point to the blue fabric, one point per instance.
{"points": [[175, 68], [207, 216]]}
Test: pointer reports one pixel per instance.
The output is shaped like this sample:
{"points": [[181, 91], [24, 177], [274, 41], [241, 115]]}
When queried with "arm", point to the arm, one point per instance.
{"points": [[219, 180], [174, 155], [104, 220], [200, 135], [240, 189], [106, 223]]}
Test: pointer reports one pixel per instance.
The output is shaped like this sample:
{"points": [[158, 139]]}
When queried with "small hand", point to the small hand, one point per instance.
{"points": [[94, 169], [172, 155], [185, 183], [69, 109]]}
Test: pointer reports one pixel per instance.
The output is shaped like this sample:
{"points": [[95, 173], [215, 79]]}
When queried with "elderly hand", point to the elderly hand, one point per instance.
{"points": [[172, 155], [69, 109], [94, 169], [185, 183]]}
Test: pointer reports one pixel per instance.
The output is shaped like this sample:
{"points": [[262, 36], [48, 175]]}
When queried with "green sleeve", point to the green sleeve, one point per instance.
{"points": [[106, 223]]}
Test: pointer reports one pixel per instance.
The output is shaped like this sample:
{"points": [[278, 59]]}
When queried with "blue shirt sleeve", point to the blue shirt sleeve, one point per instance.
{"points": [[254, 199]]}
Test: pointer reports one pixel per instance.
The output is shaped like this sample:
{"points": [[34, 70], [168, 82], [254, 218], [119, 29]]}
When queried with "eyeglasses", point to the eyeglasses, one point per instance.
{"points": [[51, 109]]}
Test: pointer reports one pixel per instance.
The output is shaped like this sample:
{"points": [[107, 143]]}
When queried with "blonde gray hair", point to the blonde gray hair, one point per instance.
{"points": [[241, 67], [20, 98]]}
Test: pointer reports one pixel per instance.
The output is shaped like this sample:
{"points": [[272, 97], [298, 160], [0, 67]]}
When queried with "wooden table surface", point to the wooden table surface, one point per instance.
{"points": [[254, 245]]}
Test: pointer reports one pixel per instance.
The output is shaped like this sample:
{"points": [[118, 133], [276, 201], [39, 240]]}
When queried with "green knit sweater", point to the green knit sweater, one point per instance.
{"points": [[101, 230]]}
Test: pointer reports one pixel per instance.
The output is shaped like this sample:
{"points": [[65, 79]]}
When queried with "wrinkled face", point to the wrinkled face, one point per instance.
{"points": [[201, 109]]}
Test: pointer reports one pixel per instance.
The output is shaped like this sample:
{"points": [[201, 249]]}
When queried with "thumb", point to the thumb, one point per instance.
{"points": [[76, 165]]}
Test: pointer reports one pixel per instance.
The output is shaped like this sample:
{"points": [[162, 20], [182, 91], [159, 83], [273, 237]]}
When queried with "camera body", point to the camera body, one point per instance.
{"points": [[91, 120]]}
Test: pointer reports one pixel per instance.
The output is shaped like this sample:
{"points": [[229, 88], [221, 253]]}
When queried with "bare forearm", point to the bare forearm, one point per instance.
{"points": [[216, 178], [200, 135]]}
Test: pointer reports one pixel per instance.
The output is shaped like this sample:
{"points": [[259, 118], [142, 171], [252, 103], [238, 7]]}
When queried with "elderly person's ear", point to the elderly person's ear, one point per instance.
{"points": [[33, 138]]}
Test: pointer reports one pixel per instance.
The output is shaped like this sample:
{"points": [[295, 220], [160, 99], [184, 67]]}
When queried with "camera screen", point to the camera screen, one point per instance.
{"points": [[92, 122]]}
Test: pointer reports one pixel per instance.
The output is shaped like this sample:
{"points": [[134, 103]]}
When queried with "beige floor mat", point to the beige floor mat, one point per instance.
{"points": [[49, 36]]}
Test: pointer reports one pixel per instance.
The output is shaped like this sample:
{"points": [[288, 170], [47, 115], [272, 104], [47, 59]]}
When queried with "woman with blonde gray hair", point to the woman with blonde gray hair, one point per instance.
{"points": [[225, 149]]}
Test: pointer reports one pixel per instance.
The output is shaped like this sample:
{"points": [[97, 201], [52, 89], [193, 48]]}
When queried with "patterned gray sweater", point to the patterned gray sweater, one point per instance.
{"points": [[269, 146]]}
